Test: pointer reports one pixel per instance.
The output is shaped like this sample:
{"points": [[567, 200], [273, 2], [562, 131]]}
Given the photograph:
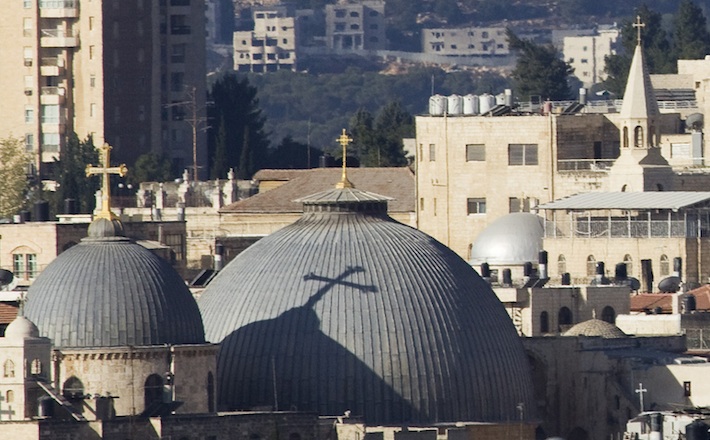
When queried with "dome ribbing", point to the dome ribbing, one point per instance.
{"points": [[347, 309]]}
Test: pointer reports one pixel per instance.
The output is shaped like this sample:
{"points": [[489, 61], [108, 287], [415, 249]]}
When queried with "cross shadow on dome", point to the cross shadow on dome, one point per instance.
{"points": [[292, 365]]}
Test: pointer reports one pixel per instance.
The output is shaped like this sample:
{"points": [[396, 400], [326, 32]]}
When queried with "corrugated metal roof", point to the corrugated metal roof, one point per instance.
{"points": [[358, 312], [629, 200]]}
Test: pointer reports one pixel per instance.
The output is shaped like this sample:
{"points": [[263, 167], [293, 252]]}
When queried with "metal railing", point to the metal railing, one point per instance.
{"points": [[58, 33], [600, 165], [582, 228], [52, 62], [58, 91], [59, 4]]}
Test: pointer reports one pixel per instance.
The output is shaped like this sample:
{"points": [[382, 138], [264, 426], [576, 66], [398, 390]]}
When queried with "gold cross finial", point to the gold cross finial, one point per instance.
{"points": [[105, 171], [344, 140], [638, 25]]}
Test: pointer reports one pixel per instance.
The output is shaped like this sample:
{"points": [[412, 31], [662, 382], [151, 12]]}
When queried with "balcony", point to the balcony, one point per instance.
{"points": [[52, 66], [59, 8], [52, 95], [59, 38]]}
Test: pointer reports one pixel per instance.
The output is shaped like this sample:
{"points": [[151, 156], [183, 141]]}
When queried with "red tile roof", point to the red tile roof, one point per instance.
{"points": [[649, 301], [396, 183]]}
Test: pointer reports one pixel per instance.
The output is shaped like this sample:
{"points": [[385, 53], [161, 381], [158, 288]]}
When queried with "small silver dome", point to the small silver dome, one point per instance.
{"points": [[510, 240]]}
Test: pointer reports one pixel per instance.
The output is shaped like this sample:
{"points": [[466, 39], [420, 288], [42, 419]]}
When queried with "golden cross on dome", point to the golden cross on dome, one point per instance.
{"points": [[106, 170], [638, 25], [344, 140]]}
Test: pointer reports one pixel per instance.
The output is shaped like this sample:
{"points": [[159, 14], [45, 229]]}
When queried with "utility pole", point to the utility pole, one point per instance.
{"points": [[197, 122]]}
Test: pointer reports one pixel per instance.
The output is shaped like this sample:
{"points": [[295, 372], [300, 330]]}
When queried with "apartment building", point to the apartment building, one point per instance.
{"points": [[356, 26], [467, 41], [585, 53], [127, 72], [270, 46]]}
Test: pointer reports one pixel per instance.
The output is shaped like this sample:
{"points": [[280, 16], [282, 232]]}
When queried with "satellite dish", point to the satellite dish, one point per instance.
{"points": [[6, 277], [634, 283], [669, 285]]}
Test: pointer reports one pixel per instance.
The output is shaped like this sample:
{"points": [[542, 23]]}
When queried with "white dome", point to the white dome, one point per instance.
{"points": [[510, 240], [21, 328]]}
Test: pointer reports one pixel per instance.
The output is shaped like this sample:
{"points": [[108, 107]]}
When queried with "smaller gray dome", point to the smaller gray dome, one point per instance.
{"points": [[596, 327], [510, 240], [102, 228], [21, 328]]}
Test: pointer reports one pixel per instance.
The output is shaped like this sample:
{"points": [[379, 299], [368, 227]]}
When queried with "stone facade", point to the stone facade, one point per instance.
{"points": [[22, 362], [468, 41], [123, 374]]}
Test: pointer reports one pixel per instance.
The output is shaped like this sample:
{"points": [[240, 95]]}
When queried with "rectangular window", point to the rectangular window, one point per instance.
{"points": [[27, 4], [475, 152], [517, 204], [421, 203], [177, 80], [92, 49], [432, 152], [50, 114], [686, 389], [92, 81], [24, 266], [27, 27], [50, 142], [522, 154], [92, 110], [476, 205], [178, 53], [29, 115], [29, 142]]}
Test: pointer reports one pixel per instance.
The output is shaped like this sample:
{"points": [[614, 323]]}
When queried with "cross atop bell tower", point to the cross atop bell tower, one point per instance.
{"points": [[106, 170], [638, 25]]}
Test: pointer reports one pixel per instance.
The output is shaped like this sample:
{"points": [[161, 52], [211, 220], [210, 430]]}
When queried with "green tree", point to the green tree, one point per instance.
{"points": [[150, 167], [70, 175], [539, 70], [393, 123], [691, 37], [292, 154], [657, 50], [13, 175], [364, 137], [236, 108], [219, 167]]}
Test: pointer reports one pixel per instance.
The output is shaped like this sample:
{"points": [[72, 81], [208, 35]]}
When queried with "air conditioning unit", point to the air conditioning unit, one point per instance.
{"points": [[28, 92], [28, 62]]}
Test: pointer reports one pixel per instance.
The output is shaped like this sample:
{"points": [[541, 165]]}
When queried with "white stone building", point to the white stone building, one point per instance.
{"points": [[467, 41], [351, 25], [270, 46]]}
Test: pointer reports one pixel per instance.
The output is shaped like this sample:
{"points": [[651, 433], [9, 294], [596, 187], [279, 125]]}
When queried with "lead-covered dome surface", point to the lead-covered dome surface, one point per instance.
{"points": [[108, 291], [596, 328], [512, 239], [347, 309]]}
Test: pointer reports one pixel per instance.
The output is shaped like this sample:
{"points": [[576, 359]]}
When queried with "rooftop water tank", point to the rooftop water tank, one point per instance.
{"points": [[470, 105], [455, 105], [486, 102], [437, 105]]}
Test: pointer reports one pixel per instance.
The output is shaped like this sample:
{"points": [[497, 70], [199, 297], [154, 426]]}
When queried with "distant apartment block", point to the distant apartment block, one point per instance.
{"points": [[467, 41], [270, 46], [113, 69], [356, 26], [586, 54]]}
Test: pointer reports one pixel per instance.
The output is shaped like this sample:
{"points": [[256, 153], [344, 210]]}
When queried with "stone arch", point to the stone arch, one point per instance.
{"points": [[561, 264], [153, 390], [638, 137], [609, 315], [629, 262], [544, 322], [564, 318], [665, 265], [73, 388], [591, 265], [8, 368]]}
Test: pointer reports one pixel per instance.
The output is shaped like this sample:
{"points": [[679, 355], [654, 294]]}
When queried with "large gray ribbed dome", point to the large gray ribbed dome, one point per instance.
{"points": [[512, 239], [347, 309], [108, 291]]}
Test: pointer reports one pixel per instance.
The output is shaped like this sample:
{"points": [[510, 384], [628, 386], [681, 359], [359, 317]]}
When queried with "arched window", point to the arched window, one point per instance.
{"points": [[9, 396], [73, 388], [623, 188], [638, 137], [36, 367], [625, 137], [153, 390], [9, 369], [629, 262], [564, 318], [561, 264], [665, 266], [591, 266], [210, 392], [544, 323], [652, 141], [609, 315]]}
